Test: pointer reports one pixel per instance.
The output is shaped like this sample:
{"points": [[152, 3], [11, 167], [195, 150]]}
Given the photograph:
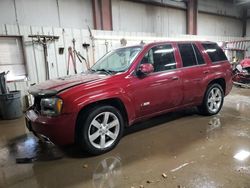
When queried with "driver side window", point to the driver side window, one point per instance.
{"points": [[161, 57]]}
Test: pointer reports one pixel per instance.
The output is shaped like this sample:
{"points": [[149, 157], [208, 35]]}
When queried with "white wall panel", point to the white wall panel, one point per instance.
{"points": [[67, 13], [76, 13], [218, 25], [223, 7], [39, 56], [60, 58], [37, 13], [30, 56], [137, 17], [7, 12]]}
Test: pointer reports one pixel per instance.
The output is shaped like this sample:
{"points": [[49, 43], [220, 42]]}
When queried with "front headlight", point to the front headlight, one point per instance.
{"points": [[51, 106]]}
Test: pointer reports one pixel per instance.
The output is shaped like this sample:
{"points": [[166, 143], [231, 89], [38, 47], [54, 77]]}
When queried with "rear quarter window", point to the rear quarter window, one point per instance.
{"points": [[215, 52]]}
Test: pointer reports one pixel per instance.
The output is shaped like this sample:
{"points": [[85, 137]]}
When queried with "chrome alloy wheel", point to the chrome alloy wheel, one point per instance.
{"points": [[214, 99], [104, 130]]}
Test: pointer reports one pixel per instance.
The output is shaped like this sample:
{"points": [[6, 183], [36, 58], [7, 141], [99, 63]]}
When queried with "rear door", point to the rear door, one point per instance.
{"points": [[194, 69]]}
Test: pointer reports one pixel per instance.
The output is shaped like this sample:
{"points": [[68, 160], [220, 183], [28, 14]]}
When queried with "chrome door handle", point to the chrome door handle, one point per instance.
{"points": [[175, 78]]}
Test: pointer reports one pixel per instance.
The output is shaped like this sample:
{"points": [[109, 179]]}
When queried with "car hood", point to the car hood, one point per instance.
{"points": [[245, 63], [54, 86]]}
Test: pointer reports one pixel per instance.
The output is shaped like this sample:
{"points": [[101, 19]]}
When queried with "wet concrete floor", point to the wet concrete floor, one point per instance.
{"points": [[181, 149]]}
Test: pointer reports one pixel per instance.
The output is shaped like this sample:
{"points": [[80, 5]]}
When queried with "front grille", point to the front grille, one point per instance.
{"points": [[37, 105]]}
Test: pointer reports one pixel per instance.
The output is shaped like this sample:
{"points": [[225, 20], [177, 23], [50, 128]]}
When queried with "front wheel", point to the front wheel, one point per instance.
{"points": [[213, 100], [102, 128]]}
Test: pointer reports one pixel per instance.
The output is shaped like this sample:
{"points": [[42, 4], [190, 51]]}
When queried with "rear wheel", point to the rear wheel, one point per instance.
{"points": [[101, 129], [213, 100]]}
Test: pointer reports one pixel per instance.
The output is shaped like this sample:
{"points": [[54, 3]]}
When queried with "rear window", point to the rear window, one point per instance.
{"points": [[215, 52], [187, 55]]}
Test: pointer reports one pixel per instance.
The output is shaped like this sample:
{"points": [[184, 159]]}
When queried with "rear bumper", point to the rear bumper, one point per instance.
{"points": [[60, 130]]}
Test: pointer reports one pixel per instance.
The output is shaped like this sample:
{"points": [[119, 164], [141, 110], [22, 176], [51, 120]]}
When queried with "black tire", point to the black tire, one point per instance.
{"points": [[84, 124], [204, 107]]}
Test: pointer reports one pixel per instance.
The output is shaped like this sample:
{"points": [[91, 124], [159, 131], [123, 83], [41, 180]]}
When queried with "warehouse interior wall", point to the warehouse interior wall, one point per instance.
{"points": [[126, 16], [57, 13], [138, 17], [218, 25], [222, 7]]}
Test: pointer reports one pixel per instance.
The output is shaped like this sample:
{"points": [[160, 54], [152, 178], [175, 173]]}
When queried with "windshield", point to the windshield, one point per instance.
{"points": [[118, 60]]}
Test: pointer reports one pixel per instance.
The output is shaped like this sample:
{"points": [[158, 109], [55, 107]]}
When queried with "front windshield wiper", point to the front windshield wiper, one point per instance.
{"points": [[103, 70]]}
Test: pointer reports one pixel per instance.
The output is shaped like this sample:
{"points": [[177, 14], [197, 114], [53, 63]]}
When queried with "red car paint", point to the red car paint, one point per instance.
{"points": [[242, 76], [245, 63], [166, 91]]}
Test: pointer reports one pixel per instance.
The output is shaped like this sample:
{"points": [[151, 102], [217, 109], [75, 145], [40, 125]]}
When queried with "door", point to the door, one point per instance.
{"points": [[193, 72], [161, 89]]}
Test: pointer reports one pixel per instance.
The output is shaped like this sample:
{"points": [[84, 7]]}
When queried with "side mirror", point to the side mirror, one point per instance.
{"points": [[145, 69]]}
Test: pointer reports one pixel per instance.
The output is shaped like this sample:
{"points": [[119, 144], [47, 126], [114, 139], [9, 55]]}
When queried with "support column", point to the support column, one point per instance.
{"points": [[192, 12], [244, 22], [102, 14]]}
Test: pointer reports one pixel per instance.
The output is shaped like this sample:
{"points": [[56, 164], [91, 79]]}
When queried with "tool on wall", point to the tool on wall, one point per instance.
{"points": [[106, 46], [93, 44], [86, 47], [44, 40], [73, 54]]}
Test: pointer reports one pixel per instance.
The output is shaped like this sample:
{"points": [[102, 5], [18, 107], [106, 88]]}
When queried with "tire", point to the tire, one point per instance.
{"points": [[212, 101], [101, 128]]}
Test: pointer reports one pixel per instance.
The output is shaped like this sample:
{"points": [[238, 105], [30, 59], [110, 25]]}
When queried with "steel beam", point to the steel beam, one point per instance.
{"points": [[244, 22], [102, 14], [192, 12]]}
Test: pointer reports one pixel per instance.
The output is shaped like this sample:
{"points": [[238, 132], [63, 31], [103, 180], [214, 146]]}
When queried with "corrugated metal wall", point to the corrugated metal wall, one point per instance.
{"points": [[134, 17], [219, 25], [57, 13], [223, 7], [137, 17], [127, 16]]}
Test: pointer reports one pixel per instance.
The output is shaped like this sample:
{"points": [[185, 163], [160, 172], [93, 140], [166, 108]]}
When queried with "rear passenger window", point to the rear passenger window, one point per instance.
{"points": [[199, 57], [215, 52], [187, 55], [161, 57]]}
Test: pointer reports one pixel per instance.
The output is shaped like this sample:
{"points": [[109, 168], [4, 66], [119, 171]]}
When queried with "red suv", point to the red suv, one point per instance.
{"points": [[128, 85]]}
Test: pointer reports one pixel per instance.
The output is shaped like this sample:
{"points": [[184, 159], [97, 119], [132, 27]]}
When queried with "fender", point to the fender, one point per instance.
{"points": [[211, 77], [107, 93]]}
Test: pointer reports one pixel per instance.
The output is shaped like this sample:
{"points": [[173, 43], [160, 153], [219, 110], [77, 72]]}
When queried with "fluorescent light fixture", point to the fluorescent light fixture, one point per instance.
{"points": [[242, 155]]}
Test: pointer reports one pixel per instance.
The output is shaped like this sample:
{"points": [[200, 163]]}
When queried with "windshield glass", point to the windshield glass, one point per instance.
{"points": [[118, 60]]}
